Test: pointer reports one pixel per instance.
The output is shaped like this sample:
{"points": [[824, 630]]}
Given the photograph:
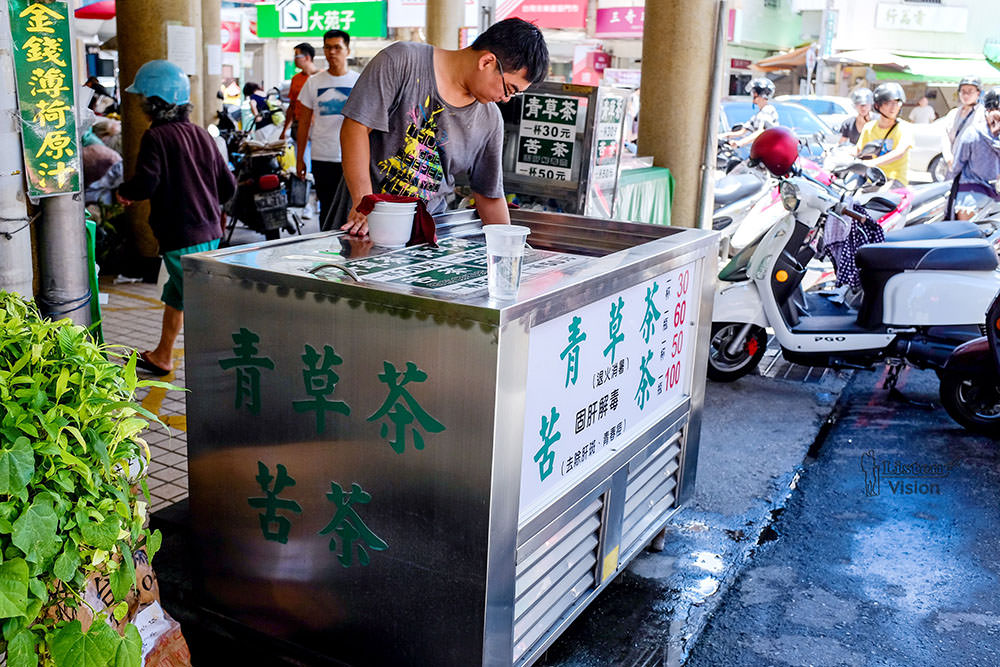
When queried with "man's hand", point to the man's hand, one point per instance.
{"points": [[300, 168], [283, 132], [357, 223], [122, 200]]}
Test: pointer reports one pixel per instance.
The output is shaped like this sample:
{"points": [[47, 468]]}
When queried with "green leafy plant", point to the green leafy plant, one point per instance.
{"points": [[71, 456]]}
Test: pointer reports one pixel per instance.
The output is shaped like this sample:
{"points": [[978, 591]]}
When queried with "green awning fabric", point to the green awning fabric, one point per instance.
{"points": [[940, 70], [991, 51]]}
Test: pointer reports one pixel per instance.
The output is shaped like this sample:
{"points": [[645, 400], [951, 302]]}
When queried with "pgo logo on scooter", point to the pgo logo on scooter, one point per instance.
{"points": [[829, 339]]}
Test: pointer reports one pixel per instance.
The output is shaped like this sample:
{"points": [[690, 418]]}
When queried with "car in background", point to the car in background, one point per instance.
{"points": [[804, 123], [926, 154], [831, 109]]}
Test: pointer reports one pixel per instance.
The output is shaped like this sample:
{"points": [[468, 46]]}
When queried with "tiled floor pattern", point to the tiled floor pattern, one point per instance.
{"points": [[132, 317]]}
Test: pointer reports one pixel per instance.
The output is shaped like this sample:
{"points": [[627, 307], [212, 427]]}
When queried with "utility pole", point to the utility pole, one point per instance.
{"points": [[827, 31], [15, 228]]}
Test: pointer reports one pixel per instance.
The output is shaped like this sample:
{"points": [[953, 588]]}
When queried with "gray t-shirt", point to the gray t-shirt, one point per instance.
{"points": [[418, 141]]}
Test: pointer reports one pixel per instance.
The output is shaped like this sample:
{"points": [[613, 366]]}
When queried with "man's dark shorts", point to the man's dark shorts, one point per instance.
{"points": [[173, 290]]}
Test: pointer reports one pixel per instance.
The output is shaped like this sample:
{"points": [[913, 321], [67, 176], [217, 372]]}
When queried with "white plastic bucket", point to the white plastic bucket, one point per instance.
{"points": [[391, 224]]}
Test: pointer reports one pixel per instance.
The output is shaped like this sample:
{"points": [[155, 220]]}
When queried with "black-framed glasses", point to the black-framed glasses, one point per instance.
{"points": [[507, 87]]}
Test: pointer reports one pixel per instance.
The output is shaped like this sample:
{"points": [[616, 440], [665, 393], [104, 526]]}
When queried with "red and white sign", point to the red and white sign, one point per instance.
{"points": [[545, 13], [624, 21], [589, 64], [739, 63], [230, 36]]}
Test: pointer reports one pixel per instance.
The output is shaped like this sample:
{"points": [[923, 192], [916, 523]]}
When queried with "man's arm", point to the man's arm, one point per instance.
{"points": [[492, 210], [356, 156], [289, 115], [305, 120]]}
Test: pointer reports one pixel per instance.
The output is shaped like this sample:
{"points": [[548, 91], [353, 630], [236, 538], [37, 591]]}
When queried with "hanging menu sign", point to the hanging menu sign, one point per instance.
{"points": [[44, 71], [546, 135]]}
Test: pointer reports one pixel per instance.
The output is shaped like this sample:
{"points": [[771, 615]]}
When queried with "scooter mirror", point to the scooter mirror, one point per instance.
{"points": [[736, 128], [875, 176], [871, 149]]}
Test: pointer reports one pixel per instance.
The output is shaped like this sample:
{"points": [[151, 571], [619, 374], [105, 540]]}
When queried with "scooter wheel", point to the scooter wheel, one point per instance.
{"points": [[972, 402], [726, 367]]}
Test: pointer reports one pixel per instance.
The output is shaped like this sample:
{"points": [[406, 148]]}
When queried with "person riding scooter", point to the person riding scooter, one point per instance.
{"points": [[850, 129], [888, 137], [962, 117], [976, 167], [761, 91]]}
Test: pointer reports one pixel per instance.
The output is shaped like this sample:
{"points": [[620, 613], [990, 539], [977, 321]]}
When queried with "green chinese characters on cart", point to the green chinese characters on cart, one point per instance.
{"points": [[44, 72]]}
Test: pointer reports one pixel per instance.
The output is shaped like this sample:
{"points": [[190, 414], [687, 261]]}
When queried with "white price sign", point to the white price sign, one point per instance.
{"points": [[597, 377]]}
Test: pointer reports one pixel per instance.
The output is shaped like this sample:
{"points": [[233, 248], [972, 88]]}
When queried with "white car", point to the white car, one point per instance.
{"points": [[832, 109], [926, 154]]}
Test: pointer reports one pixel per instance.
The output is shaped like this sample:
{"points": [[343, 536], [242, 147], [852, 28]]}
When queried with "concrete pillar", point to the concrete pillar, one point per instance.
{"points": [[444, 21], [678, 52], [143, 37], [211, 33]]}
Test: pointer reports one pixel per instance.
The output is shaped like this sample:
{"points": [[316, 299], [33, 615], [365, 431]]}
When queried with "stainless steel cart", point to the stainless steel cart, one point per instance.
{"points": [[390, 467]]}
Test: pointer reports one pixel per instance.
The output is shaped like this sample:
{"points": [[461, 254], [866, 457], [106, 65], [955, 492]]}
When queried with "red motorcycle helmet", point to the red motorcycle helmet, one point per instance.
{"points": [[777, 149]]}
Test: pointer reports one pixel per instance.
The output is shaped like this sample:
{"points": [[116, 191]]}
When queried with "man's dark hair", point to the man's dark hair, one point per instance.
{"points": [[306, 48], [159, 111], [334, 34], [519, 45], [250, 88]]}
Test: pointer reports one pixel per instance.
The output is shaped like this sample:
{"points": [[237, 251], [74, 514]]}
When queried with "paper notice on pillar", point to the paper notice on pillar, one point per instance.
{"points": [[600, 376], [547, 135], [182, 48], [213, 59]]}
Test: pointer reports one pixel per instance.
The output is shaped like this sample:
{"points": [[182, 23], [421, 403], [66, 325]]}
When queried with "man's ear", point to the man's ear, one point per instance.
{"points": [[486, 60]]}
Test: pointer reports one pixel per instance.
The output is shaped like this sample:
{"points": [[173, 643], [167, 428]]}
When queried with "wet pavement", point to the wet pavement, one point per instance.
{"points": [[902, 570]]}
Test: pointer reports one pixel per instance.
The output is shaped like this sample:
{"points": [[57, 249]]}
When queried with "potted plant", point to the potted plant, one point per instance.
{"points": [[71, 458]]}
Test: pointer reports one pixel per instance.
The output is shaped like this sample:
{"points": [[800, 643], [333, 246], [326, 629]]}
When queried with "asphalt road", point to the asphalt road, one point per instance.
{"points": [[902, 572]]}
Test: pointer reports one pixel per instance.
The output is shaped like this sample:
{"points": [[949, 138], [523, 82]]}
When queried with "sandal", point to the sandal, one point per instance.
{"points": [[144, 364]]}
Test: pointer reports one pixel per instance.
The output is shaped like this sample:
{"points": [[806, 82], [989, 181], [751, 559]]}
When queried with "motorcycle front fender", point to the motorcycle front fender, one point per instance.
{"points": [[739, 302], [971, 359]]}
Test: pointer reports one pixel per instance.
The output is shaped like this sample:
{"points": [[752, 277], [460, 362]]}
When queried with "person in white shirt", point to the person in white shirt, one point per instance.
{"points": [[923, 113], [761, 91], [320, 118], [969, 113]]}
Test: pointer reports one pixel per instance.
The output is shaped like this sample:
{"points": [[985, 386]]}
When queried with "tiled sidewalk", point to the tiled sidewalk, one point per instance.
{"points": [[132, 317]]}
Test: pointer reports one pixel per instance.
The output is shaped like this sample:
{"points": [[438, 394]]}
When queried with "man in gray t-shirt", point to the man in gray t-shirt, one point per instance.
{"points": [[420, 115]]}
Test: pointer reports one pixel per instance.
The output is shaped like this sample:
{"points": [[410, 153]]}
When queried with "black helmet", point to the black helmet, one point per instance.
{"points": [[886, 92], [761, 86], [862, 96], [991, 100], [971, 80]]}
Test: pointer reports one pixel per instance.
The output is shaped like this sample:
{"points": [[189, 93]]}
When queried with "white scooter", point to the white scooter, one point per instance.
{"points": [[921, 298]]}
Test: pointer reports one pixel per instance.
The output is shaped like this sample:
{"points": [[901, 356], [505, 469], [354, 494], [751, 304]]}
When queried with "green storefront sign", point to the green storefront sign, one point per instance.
{"points": [[45, 91], [301, 18]]}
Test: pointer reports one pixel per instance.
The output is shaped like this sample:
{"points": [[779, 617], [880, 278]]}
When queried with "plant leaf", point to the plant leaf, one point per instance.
{"points": [[21, 650], [13, 588], [17, 465], [71, 648], [67, 564], [99, 534], [153, 543], [35, 531], [129, 653], [120, 610], [123, 579]]}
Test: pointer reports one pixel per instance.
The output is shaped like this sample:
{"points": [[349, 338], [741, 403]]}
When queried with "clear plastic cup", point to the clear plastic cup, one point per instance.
{"points": [[504, 253]]}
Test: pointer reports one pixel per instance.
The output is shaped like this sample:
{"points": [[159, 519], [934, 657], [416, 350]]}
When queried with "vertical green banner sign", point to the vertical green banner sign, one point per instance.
{"points": [[45, 91]]}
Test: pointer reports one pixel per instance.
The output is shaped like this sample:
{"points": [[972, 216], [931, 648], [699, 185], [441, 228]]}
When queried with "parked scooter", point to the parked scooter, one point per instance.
{"points": [[262, 188], [921, 298], [970, 379]]}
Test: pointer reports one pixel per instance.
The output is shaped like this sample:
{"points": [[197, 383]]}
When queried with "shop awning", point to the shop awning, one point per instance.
{"points": [[781, 61], [923, 67]]}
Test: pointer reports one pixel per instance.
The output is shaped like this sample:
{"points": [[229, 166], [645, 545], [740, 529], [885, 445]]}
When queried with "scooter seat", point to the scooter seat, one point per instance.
{"points": [[735, 187], [881, 202], [951, 229], [928, 255], [921, 194]]}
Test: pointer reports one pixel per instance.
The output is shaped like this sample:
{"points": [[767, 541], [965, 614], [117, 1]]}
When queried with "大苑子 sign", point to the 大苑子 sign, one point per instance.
{"points": [[301, 18], [545, 13], [44, 70]]}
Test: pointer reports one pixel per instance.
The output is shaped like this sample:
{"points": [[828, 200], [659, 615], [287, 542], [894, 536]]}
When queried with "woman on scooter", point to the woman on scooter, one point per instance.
{"points": [[850, 129], [977, 166], [761, 91], [969, 113], [891, 136]]}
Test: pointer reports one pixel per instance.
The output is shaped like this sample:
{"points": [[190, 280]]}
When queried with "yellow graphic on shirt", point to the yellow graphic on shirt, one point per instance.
{"points": [[415, 171]]}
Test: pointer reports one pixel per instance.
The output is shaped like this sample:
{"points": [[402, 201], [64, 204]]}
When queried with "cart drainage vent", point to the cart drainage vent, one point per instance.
{"points": [[650, 493], [553, 578]]}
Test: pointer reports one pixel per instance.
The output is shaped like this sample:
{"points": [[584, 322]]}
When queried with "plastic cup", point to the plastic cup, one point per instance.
{"points": [[504, 253], [390, 225]]}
